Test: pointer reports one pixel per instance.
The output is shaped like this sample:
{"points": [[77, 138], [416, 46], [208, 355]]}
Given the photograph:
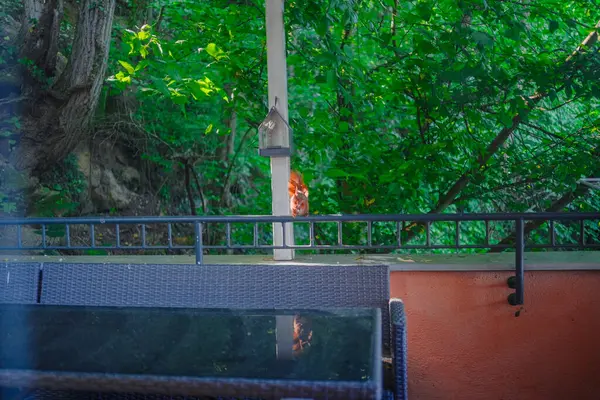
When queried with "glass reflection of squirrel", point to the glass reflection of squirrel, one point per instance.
{"points": [[302, 334]]}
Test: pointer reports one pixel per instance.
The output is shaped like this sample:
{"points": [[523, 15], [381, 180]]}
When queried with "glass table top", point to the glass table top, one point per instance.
{"points": [[332, 345]]}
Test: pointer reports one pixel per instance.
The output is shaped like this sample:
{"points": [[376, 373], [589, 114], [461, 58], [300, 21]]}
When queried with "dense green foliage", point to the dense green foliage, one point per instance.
{"points": [[198, 83], [390, 105], [396, 107]]}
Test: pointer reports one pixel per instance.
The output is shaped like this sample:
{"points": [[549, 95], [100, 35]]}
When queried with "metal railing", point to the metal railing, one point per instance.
{"points": [[199, 246]]}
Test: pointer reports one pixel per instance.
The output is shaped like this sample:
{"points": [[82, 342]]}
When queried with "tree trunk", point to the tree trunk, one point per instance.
{"points": [[342, 103], [59, 115], [226, 151], [226, 156]]}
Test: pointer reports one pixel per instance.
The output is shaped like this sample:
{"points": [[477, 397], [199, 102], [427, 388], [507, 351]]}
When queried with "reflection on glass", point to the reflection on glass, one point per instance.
{"points": [[185, 342], [302, 334]]}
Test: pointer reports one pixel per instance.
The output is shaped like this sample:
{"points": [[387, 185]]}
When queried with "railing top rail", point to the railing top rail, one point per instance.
{"points": [[311, 218]]}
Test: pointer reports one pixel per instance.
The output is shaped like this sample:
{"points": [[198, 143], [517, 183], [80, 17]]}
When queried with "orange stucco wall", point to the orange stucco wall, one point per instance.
{"points": [[465, 342]]}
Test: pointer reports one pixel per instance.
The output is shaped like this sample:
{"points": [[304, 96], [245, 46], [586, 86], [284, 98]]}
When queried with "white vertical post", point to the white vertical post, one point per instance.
{"points": [[280, 166]]}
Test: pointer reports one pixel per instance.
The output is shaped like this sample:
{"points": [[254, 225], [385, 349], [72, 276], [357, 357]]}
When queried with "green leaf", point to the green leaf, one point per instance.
{"points": [[424, 10], [158, 46], [209, 129], [553, 25], [321, 28], [331, 78], [144, 32], [345, 112], [506, 119], [127, 66], [143, 35], [482, 39], [161, 86], [344, 126], [513, 32], [202, 86], [425, 46], [121, 77], [336, 173], [178, 98], [213, 51], [141, 65], [568, 90]]}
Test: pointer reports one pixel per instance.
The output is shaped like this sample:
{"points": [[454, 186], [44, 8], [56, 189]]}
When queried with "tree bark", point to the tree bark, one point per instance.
{"points": [[40, 30], [63, 106], [32, 11]]}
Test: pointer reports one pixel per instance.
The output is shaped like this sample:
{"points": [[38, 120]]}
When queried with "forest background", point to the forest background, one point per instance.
{"points": [[151, 107]]}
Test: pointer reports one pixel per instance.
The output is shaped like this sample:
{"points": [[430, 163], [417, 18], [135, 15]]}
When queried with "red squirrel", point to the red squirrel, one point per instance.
{"points": [[298, 195]]}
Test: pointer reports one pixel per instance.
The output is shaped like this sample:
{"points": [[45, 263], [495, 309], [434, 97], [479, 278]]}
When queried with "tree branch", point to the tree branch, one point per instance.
{"points": [[590, 40], [200, 192], [558, 205], [450, 196], [394, 12], [13, 100], [188, 187], [497, 188], [560, 105], [159, 20], [545, 131], [232, 163]]}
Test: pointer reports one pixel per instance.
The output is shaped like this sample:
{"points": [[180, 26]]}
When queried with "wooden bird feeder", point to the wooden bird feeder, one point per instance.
{"points": [[274, 135]]}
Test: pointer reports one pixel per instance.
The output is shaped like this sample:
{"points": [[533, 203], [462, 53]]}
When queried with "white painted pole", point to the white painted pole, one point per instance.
{"points": [[280, 166]]}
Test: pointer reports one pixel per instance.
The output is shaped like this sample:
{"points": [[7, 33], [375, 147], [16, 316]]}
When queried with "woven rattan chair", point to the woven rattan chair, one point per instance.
{"points": [[230, 286], [19, 283]]}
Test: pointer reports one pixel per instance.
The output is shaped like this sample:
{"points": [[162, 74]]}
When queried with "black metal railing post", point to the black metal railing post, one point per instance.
{"points": [[198, 243], [519, 261]]}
